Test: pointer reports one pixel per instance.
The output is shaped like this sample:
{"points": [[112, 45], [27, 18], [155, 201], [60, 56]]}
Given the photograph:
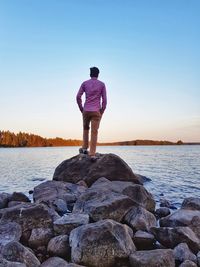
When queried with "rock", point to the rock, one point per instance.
{"points": [[191, 203], [5, 263], [59, 246], [162, 212], [14, 251], [183, 253], [14, 203], [136, 192], [57, 194], [166, 203], [10, 231], [171, 237], [80, 167], [19, 205], [102, 203], [152, 258], [188, 263], [144, 240], [58, 262], [34, 216], [180, 217], [19, 196], [4, 199], [139, 218], [198, 258], [101, 244], [68, 222], [195, 226], [40, 237]]}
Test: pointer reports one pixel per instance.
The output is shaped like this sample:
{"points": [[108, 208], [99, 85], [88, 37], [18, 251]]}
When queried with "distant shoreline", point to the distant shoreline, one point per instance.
{"points": [[10, 140]]}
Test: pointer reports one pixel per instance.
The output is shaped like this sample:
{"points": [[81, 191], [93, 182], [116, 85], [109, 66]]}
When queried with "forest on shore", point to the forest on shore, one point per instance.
{"points": [[21, 139]]}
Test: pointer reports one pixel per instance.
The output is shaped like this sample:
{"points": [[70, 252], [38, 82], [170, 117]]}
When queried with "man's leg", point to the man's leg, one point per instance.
{"points": [[86, 127], [95, 121]]}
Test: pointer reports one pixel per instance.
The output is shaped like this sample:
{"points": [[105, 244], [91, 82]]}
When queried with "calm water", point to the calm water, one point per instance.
{"points": [[174, 170]]}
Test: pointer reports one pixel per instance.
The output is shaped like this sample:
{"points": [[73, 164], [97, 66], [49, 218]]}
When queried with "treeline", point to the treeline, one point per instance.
{"points": [[9, 139], [142, 143]]}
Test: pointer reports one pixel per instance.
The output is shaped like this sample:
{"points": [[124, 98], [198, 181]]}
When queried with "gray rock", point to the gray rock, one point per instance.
{"points": [[191, 203], [195, 226], [34, 216], [171, 237], [68, 222], [136, 192], [9, 232], [198, 258], [19, 196], [180, 217], [162, 212], [40, 237], [80, 167], [14, 203], [58, 262], [183, 253], [188, 263], [5, 263], [4, 199], [101, 244], [59, 246], [139, 218], [14, 251], [152, 258], [102, 203], [144, 240], [57, 194]]}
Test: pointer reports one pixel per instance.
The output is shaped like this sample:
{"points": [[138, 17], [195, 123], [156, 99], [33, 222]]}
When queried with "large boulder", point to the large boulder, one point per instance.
{"points": [[58, 262], [40, 237], [34, 216], [101, 244], [57, 194], [171, 237], [14, 251], [183, 253], [181, 217], [19, 196], [136, 192], [59, 246], [80, 167], [139, 218], [191, 203], [68, 222], [10, 231], [4, 199], [5, 263], [102, 203], [152, 258], [188, 263], [144, 240]]}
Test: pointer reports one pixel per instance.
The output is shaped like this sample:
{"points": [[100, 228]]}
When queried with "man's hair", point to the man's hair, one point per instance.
{"points": [[94, 72]]}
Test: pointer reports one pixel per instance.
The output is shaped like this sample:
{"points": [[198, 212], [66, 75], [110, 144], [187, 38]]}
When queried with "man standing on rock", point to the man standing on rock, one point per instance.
{"points": [[93, 109]]}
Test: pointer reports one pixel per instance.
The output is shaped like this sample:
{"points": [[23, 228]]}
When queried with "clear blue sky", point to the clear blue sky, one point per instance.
{"points": [[148, 52]]}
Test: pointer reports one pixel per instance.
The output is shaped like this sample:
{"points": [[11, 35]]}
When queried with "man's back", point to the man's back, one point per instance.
{"points": [[94, 90]]}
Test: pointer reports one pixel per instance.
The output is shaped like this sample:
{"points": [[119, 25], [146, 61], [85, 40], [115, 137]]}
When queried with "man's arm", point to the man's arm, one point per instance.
{"points": [[104, 99], [78, 97]]}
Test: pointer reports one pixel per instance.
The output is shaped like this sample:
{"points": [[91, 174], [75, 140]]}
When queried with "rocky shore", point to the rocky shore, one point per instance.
{"points": [[97, 214]]}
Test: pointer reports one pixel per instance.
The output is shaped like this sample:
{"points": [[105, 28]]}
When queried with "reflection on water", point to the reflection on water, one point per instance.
{"points": [[174, 170]]}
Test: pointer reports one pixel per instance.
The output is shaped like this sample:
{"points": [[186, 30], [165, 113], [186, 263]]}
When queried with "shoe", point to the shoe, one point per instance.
{"points": [[83, 151]]}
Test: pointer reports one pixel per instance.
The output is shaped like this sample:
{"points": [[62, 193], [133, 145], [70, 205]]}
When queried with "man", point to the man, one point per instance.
{"points": [[93, 109]]}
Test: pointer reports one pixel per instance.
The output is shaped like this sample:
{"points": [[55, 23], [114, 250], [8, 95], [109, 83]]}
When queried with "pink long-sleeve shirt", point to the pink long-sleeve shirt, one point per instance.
{"points": [[95, 95]]}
